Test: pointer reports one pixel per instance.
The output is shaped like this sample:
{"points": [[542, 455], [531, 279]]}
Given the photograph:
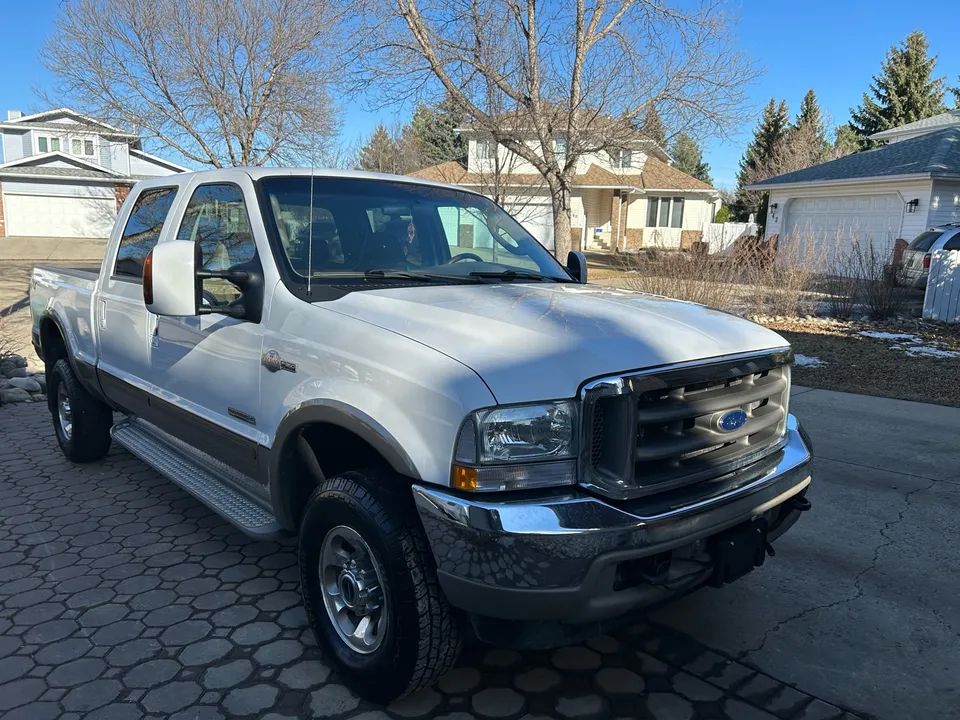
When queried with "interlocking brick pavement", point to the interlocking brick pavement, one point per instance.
{"points": [[122, 597]]}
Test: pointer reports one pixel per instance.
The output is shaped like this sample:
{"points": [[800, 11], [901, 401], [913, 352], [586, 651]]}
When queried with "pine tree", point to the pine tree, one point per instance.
{"points": [[652, 127], [754, 165], [379, 153], [810, 131], [846, 141], [905, 90], [956, 94], [434, 129], [688, 158]]}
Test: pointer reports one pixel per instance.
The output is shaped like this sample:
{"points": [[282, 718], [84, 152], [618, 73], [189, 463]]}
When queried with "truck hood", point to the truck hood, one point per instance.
{"points": [[539, 341]]}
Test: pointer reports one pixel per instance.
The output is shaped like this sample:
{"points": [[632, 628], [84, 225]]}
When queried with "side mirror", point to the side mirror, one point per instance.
{"points": [[577, 266], [170, 285], [173, 283]]}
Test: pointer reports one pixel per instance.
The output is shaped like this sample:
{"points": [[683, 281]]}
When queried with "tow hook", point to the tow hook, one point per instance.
{"points": [[800, 503]]}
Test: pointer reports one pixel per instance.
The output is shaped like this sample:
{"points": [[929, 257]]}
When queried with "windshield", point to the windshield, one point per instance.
{"points": [[362, 229]]}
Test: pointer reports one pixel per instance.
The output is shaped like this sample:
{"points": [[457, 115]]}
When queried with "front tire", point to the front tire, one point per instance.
{"points": [[82, 422], [362, 554]]}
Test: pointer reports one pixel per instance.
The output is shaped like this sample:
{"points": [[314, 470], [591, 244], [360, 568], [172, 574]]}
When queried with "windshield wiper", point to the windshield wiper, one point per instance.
{"points": [[398, 275], [510, 275]]}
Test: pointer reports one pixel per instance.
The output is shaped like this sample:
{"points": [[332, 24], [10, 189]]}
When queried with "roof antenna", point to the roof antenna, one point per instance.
{"points": [[310, 235]]}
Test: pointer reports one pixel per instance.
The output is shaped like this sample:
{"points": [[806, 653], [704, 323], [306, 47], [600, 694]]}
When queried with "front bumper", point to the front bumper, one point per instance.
{"points": [[556, 557]]}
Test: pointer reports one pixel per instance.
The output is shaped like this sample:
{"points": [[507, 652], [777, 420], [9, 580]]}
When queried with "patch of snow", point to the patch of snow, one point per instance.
{"points": [[927, 351], [807, 361], [888, 335]]}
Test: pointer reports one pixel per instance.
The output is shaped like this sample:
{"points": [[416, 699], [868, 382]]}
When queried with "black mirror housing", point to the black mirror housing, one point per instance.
{"points": [[577, 266]]}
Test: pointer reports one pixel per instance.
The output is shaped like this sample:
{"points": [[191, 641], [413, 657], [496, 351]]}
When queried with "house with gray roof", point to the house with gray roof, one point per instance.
{"points": [[897, 190], [64, 174]]}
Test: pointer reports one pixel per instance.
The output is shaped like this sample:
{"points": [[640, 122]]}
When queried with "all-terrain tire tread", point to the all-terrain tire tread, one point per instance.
{"points": [[92, 420]]}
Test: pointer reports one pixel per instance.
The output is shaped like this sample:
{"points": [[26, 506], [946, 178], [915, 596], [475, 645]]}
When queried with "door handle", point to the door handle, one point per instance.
{"points": [[154, 320]]}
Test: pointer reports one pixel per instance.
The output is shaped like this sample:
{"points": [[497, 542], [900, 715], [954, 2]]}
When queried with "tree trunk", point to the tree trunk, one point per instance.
{"points": [[560, 199]]}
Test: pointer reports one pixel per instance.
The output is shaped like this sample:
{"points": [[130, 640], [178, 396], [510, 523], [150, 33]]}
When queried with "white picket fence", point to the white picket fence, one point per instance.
{"points": [[720, 237], [942, 299]]}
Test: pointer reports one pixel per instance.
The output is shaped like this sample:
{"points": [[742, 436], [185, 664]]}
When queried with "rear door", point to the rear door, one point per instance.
{"points": [[124, 327], [207, 368]]}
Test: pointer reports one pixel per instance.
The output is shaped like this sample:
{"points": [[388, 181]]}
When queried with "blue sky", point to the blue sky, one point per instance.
{"points": [[832, 46]]}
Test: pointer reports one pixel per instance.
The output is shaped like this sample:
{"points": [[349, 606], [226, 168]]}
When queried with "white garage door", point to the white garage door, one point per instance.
{"points": [[536, 220], [836, 221], [51, 216]]}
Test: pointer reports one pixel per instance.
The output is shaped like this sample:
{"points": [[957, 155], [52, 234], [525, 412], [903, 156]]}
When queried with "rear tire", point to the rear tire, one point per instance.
{"points": [[82, 423], [416, 635]]}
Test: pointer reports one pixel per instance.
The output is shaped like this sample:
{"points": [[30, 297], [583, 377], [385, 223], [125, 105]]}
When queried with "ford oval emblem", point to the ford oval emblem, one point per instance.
{"points": [[732, 420]]}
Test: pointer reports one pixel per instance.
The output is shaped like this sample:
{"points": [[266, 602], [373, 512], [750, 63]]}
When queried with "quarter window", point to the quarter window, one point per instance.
{"points": [[142, 230], [953, 243], [216, 219]]}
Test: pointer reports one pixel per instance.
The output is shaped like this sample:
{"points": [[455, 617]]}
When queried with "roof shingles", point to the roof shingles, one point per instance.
{"points": [[655, 175], [933, 154]]}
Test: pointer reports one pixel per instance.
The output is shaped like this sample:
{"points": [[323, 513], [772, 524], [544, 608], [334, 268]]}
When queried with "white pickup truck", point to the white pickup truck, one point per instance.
{"points": [[464, 434]]}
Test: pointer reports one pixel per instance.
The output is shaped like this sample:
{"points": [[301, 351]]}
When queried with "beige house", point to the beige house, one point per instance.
{"points": [[621, 200]]}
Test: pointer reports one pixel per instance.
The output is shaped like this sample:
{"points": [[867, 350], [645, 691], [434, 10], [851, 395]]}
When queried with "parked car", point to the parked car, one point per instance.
{"points": [[462, 432], [917, 256]]}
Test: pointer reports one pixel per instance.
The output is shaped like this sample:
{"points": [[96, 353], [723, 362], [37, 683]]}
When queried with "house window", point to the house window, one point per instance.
{"points": [[485, 149], [76, 146], [88, 147], [665, 212], [41, 144], [54, 144], [621, 158], [561, 148]]}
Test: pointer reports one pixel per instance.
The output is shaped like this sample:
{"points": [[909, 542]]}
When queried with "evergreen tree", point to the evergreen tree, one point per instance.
{"points": [[688, 158], [905, 90], [652, 127], [379, 153], [755, 163], [956, 94], [809, 129], [846, 141], [433, 127]]}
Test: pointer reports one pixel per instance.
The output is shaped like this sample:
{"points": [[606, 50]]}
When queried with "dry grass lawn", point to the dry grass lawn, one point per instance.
{"points": [[872, 366]]}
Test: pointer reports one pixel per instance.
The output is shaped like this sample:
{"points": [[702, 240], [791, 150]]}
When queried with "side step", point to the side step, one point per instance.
{"points": [[209, 488]]}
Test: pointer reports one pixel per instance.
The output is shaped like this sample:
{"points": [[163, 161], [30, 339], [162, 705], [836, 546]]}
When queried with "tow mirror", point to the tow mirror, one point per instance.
{"points": [[577, 266], [170, 279]]}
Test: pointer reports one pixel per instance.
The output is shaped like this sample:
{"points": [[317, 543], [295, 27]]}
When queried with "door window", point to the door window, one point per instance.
{"points": [[142, 230], [216, 219]]}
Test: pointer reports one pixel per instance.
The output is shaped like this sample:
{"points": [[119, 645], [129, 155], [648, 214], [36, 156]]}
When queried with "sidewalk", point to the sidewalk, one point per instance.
{"points": [[38, 249]]}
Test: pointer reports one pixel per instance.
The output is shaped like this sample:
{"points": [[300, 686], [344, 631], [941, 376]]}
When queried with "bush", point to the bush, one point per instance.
{"points": [[696, 277], [723, 214]]}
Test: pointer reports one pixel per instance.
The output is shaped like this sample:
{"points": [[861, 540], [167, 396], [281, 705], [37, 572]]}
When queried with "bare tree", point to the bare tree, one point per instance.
{"points": [[233, 82], [572, 71]]}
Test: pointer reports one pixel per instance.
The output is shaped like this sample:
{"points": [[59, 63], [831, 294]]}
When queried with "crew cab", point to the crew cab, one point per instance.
{"points": [[463, 433]]}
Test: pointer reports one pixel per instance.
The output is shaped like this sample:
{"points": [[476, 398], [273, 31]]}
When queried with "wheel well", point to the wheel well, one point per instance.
{"points": [[52, 344], [335, 450], [54, 347]]}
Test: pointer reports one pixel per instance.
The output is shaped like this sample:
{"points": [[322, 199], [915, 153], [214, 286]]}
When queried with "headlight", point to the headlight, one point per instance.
{"points": [[512, 448]]}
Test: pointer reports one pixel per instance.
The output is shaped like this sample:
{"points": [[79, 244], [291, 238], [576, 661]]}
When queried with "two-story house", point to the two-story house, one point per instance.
{"points": [[622, 199], [65, 175]]}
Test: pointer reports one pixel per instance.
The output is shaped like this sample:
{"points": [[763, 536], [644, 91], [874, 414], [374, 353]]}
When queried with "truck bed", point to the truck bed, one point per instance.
{"points": [[67, 295]]}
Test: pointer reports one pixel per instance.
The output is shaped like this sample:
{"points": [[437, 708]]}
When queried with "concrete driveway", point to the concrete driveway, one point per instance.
{"points": [[121, 597], [861, 606]]}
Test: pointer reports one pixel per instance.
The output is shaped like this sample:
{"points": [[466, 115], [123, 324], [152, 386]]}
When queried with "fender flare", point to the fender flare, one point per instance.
{"points": [[331, 412]]}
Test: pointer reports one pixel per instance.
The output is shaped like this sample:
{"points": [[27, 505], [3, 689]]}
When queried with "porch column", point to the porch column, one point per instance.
{"points": [[616, 217]]}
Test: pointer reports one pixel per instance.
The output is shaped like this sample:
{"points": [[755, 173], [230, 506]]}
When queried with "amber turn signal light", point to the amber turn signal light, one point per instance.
{"points": [[464, 478], [148, 279]]}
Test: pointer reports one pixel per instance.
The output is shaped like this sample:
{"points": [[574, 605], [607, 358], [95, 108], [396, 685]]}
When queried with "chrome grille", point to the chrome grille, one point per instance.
{"points": [[654, 431]]}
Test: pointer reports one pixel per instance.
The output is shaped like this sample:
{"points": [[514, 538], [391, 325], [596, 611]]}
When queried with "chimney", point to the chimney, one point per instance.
{"points": [[14, 114]]}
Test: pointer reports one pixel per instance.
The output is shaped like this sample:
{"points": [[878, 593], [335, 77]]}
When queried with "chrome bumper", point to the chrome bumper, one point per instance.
{"points": [[555, 557]]}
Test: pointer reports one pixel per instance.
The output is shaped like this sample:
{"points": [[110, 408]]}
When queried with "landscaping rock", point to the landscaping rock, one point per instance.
{"points": [[16, 372], [13, 395], [25, 383]]}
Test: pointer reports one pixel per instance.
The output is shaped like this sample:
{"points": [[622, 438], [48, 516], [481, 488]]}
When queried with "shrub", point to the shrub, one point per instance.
{"points": [[723, 214]]}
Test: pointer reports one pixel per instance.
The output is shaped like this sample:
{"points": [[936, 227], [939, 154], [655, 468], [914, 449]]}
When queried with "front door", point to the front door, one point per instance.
{"points": [[207, 368]]}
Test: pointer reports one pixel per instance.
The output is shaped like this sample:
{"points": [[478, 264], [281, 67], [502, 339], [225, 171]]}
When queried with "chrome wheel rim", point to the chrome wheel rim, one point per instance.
{"points": [[64, 413], [352, 587]]}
